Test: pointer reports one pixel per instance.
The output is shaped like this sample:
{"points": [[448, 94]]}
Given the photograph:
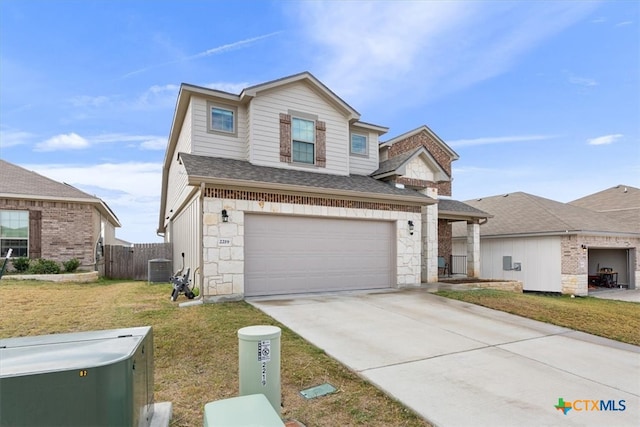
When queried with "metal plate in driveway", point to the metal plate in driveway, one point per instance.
{"points": [[317, 391]]}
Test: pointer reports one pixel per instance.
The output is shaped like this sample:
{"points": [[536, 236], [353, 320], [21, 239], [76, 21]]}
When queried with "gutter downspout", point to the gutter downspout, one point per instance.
{"points": [[201, 242]]}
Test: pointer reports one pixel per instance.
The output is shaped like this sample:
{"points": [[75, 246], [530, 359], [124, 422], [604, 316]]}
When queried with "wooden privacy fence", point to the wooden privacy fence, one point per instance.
{"points": [[132, 262]]}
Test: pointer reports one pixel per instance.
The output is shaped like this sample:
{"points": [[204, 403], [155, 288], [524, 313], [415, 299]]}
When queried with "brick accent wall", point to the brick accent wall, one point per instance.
{"points": [[223, 193], [321, 144], [413, 182], [433, 147], [574, 266], [445, 247], [67, 229], [285, 138]]}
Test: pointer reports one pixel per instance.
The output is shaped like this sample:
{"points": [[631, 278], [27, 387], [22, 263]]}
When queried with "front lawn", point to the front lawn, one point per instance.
{"points": [[196, 349], [617, 320]]}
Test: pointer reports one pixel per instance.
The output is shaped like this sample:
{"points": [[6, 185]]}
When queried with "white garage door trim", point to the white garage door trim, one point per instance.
{"points": [[298, 254]]}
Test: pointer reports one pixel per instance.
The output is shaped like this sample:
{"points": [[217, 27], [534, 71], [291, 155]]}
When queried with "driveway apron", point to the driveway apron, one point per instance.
{"points": [[458, 364]]}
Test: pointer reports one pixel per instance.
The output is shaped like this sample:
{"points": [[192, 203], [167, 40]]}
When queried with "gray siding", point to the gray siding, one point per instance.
{"points": [[177, 188], [216, 144], [185, 232], [265, 127], [361, 165], [541, 259]]}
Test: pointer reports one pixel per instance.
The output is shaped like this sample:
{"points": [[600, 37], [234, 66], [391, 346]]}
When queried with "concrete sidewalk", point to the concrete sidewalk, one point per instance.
{"points": [[457, 364]]}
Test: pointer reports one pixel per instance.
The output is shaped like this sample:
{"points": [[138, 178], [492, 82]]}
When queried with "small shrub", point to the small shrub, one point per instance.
{"points": [[21, 264], [44, 266], [71, 265]]}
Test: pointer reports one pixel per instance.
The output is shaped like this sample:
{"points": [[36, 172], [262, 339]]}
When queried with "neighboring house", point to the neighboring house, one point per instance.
{"points": [[621, 202], [280, 190], [42, 218], [552, 246]]}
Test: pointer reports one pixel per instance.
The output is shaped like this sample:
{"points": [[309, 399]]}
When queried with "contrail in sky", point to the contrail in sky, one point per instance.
{"points": [[214, 51]]}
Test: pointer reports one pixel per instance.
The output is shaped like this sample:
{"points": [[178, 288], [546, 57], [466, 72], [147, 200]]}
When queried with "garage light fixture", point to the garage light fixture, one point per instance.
{"points": [[411, 227], [584, 248], [225, 216]]}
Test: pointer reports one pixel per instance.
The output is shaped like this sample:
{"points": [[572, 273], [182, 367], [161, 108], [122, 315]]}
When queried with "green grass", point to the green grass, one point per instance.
{"points": [[196, 349], [617, 320]]}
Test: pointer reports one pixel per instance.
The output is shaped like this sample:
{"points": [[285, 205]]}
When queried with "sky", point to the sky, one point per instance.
{"points": [[535, 96]]}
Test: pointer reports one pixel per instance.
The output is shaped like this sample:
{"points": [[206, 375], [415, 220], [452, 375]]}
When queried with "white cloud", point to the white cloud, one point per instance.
{"points": [[68, 141], [90, 101], [624, 23], [499, 140], [73, 141], [418, 51], [11, 138], [582, 81], [131, 189], [605, 139], [157, 96], [158, 143]]}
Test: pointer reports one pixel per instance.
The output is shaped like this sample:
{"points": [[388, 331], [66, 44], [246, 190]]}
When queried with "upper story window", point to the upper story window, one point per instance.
{"points": [[359, 144], [14, 233], [303, 140], [222, 119]]}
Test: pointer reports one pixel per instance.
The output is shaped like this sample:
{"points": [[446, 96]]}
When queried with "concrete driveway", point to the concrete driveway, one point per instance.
{"points": [[457, 364]]}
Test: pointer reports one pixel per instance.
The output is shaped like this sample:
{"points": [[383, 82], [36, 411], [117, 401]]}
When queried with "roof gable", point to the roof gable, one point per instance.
{"points": [[522, 213], [316, 85], [612, 199], [422, 129], [397, 166], [621, 202], [20, 183]]}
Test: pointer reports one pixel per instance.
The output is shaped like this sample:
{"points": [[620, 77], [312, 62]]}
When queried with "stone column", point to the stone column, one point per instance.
{"points": [[429, 239], [473, 249]]}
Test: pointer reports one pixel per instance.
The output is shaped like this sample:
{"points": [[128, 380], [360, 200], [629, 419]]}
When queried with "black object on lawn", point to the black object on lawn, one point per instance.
{"points": [[6, 260], [182, 284]]}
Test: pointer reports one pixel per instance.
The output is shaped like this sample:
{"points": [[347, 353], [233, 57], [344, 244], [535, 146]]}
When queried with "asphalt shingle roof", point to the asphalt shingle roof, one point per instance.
{"points": [[522, 213], [17, 180], [394, 163], [457, 207], [214, 167], [621, 202]]}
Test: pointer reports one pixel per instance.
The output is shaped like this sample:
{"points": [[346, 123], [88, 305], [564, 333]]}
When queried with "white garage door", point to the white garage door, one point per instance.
{"points": [[287, 254]]}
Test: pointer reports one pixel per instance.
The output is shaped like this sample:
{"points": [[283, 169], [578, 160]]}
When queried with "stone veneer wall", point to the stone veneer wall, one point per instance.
{"points": [[223, 268]]}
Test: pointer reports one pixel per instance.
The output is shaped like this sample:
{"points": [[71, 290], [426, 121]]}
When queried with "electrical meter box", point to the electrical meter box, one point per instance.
{"points": [[97, 378]]}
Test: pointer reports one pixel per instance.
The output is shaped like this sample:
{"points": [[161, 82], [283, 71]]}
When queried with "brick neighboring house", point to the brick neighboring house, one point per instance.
{"points": [[42, 218], [283, 189]]}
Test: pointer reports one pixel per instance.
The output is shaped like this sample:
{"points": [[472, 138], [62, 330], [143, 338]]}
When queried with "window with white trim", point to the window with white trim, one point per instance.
{"points": [[359, 144], [303, 140], [222, 119], [14, 233]]}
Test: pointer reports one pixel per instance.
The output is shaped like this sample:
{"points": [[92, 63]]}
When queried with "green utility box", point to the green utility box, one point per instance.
{"points": [[243, 411], [98, 378], [259, 362]]}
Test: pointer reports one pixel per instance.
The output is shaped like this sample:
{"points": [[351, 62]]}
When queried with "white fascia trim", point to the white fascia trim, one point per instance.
{"points": [[362, 125]]}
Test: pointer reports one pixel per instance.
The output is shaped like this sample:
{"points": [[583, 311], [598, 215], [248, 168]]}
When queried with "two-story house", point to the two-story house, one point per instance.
{"points": [[283, 189]]}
